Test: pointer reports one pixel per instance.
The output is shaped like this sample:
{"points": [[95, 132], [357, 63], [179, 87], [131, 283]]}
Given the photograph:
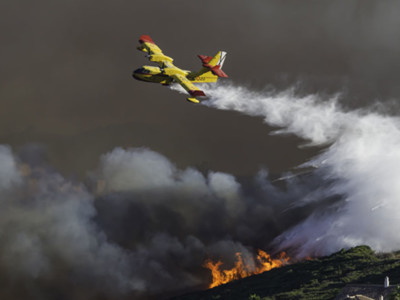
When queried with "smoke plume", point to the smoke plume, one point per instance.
{"points": [[138, 226], [358, 168], [141, 227]]}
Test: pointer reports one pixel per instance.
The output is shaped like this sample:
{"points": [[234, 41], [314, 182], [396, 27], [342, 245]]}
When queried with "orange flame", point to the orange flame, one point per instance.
{"points": [[263, 263]]}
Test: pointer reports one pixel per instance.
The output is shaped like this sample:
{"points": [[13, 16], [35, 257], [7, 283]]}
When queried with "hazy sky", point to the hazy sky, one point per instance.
{"points": [[66, 74]]}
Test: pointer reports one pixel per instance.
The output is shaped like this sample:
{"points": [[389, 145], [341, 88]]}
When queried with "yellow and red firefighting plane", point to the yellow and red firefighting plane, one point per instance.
{"points": [[166, 73]]}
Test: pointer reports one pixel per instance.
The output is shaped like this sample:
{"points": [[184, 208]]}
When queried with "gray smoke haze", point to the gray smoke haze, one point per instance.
{"points": [[139, 227]]}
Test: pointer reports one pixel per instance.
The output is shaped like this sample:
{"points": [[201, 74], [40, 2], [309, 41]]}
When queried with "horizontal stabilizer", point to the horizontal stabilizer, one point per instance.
{"points": [[216, 70], [205, 59]]}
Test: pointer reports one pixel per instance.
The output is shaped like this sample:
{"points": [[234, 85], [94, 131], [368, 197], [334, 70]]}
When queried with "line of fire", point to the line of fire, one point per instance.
{"points": [[244, 267]]}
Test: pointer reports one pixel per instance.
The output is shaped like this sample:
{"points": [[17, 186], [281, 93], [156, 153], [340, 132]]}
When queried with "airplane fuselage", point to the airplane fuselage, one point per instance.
{"points": [[166, 73], [163, 75], [157, 74]]}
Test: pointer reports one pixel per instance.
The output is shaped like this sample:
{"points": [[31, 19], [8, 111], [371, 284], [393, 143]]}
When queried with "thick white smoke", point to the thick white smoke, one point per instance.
{"points": [[360, 166]]}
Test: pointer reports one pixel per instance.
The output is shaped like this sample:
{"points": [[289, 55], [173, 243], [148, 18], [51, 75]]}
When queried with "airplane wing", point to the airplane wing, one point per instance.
{"points": [[155, 54], [193, 90]]}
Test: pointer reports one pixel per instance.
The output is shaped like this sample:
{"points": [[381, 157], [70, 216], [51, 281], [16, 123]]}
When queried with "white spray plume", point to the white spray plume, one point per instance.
{"points": [[361, 165], [9, 174]]}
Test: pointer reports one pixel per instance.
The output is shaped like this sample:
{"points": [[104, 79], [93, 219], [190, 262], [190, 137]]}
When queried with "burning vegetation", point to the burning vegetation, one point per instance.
{"points": [[243, 268]]}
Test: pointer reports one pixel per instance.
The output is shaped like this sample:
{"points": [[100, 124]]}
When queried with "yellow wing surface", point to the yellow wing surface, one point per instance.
{"points": [[193, 90], [155, 54]]}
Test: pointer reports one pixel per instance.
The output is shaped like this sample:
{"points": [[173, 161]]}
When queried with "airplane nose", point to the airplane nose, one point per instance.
{"points": [[138, 74], [135, 74], [141, 74]]}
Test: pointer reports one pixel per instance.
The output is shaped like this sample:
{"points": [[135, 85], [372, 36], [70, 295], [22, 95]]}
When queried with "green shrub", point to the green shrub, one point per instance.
{"points": [[395, 295]]}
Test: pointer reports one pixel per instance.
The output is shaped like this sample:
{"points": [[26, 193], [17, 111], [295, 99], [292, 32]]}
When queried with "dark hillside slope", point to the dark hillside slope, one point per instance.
{"points": [[320, 279]]}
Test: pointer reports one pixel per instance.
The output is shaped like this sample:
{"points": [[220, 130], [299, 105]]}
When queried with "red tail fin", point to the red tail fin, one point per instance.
{"points": [[216, 70]]}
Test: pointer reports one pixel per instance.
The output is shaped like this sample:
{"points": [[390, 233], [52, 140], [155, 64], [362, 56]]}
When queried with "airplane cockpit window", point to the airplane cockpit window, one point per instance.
{"points": [[142, 71]]}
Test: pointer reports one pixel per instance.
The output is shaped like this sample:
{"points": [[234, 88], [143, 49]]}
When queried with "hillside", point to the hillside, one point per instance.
{"points": [[320, 279]]}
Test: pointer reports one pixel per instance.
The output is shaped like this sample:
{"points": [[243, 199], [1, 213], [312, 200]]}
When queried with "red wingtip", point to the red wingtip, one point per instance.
{"points": [[145, 39], [196, 93]]}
